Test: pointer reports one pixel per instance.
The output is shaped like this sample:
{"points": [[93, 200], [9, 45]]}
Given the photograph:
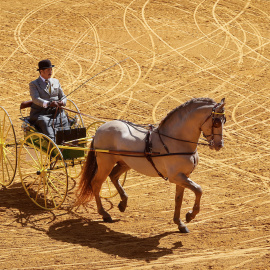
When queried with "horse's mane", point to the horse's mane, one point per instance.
{"points": [[187, 107]]}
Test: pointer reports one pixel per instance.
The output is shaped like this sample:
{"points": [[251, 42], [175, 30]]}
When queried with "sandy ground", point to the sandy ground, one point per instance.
{"points": [[177, 50]]}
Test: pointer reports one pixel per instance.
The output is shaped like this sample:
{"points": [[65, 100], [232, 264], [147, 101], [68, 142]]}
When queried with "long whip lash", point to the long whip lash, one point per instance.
{"points": [[94, 77]]}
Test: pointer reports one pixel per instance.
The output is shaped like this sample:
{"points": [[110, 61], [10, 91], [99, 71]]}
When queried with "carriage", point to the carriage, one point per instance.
{"points": [[45, 166]]}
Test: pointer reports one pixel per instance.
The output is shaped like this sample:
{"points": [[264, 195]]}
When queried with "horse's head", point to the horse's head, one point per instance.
{"points": [[212, 127]]}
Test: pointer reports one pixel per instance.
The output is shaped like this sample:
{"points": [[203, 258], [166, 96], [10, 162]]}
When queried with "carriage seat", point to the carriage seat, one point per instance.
{"points": [[26, 104], [61, 135], [26, 119]]}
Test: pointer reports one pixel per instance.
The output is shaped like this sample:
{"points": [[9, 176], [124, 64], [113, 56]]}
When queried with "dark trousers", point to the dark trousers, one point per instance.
{"points": [[50, 123]]}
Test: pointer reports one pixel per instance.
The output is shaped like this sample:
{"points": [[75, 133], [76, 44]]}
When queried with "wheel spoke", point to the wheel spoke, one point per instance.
{"points": [[54, 203], [30, 164], [8, 160], [11, 153], [2, 163], [7, 168], [4, 137], [31, 156], [46, 186], [54, 187]]}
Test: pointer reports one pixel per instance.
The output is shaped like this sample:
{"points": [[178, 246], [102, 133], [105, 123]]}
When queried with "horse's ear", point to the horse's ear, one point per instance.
{"points": [[221, 105]]}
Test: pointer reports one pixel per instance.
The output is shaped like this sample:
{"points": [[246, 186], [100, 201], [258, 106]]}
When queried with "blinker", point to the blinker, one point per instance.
{"points": [[217, 122]]}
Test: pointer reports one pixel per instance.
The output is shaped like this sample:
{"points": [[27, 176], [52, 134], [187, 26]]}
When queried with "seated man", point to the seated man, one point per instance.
{"points": [[47, 96]]}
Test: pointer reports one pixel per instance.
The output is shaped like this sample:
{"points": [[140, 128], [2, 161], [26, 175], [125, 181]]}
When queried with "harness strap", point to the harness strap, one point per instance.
{"points": [[164, 145], [148, 151], [140, 154]]}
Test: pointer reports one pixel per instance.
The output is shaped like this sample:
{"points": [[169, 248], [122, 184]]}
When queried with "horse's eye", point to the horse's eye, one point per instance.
{"points": [[217, 122]]}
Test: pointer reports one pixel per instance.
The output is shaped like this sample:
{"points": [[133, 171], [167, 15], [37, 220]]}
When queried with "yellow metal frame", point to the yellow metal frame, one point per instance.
{"points": [[44, 175], [8, 156], [43, 171]]}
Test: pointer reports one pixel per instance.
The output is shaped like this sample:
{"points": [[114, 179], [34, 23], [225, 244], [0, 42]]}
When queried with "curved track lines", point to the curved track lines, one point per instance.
{"points": [[131, 86], [70, 54], [228, 36], [237, 40], [177, 51], [107, 91], [17, 32]]}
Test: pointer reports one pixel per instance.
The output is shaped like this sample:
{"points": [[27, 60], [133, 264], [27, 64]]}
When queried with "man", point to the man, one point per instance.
{"points": [[47, 96]]}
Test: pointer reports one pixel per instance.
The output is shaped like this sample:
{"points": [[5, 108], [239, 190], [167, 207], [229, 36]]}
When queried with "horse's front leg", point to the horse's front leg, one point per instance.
{"points": [[185, 182], [178, 203]]}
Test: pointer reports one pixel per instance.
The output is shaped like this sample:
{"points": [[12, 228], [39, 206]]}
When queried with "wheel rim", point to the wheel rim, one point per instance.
{"points": [[43, 171], [74, 167], [72, 116], [91, 131], [92, 128], [8, 149]]}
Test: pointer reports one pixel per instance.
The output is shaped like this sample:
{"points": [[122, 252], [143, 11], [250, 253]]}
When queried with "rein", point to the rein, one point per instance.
{"points": [[148, 154], [180, 140]]}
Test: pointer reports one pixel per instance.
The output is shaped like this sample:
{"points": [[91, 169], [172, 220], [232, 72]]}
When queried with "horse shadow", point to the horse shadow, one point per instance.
{"points": [[79, 231], [94, 234]]}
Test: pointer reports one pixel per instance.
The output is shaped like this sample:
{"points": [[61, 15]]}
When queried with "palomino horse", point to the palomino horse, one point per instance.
{"points": [[170, 152]]}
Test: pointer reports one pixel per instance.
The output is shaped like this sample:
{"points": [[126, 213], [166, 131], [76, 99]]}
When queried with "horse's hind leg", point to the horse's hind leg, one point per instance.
{"points": [[115, 174], [103, 171]]}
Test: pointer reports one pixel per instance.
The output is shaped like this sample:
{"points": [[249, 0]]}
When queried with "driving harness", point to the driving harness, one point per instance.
{"points": [[149, 154], [216, 122]]}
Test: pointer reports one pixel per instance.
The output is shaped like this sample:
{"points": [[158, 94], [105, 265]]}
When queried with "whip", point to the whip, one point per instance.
{"points": [[94, 77]]}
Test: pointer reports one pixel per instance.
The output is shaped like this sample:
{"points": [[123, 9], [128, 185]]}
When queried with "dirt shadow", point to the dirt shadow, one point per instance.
{"points": [[97, 235], [16, 197], [16, 204]]}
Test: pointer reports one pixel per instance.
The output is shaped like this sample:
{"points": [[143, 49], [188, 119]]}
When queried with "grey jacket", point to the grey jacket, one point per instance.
{"points": [[40, 93]]}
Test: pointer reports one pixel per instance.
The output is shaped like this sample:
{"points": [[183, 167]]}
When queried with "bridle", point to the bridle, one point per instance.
{"points": [[216, 123]]}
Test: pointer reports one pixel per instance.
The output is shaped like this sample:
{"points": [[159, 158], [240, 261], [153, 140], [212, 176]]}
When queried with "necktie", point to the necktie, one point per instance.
{"points": [[48, 85]]}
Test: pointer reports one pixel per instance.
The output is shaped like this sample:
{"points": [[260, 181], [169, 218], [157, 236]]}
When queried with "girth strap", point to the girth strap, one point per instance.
{"points": [[148, 151]]}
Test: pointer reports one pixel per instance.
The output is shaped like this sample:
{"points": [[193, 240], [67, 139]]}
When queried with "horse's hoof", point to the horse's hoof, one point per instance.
{"points": [[189, 217], [107, 219], [183, 229], [122, 207]]}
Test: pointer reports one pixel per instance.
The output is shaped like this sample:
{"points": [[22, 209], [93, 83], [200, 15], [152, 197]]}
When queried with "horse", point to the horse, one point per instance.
{"points": [[168, 150]]}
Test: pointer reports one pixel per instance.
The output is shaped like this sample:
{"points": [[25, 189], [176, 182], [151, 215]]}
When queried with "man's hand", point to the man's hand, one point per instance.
{"points": [[53, 104], [61, 103]]}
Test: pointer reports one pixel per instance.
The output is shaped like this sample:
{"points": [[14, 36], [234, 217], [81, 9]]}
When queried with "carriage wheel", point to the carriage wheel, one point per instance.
{"points": [[74, 167], [8, 149], [92, 128], [43, 171], [72, 116]]}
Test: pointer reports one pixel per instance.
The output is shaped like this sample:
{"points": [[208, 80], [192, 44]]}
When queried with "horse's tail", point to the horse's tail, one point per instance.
{"points": [[85, 192]]}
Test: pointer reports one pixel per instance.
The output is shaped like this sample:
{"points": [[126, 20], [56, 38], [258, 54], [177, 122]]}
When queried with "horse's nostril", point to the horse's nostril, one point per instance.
{"points": [[220, 145]]}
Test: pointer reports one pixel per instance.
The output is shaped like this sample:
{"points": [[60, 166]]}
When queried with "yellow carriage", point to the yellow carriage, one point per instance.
{"points": [[44, 165]]}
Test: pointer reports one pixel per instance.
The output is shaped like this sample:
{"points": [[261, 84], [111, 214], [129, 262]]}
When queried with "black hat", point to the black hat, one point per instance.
{"points": [[43, 64]]}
